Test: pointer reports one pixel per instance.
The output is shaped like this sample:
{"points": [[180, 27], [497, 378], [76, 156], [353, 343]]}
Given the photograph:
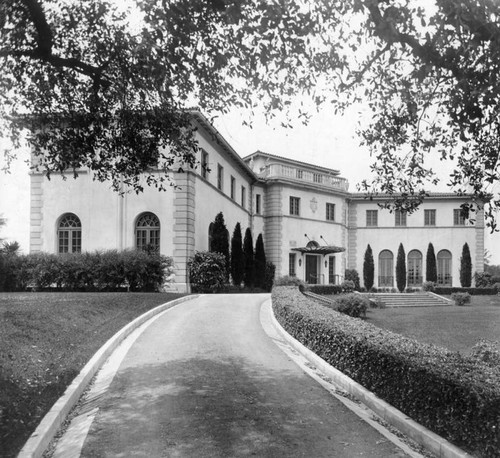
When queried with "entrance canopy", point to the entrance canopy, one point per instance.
{"points": [[323, 250]]}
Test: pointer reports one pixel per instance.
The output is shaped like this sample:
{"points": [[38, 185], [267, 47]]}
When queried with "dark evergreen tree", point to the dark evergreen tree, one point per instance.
{"points": [[219, 242], [465, 267], [237, 257], [401, 269], [260, 263], [249, 277], [368, 268], [430, 264]]}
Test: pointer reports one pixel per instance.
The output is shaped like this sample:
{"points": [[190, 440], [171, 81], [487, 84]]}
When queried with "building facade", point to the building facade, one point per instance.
{"points": [[312, 226]]}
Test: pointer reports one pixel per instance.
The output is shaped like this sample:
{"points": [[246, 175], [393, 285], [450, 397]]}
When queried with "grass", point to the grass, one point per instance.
{"points": [[451, 327], [46, 339]]}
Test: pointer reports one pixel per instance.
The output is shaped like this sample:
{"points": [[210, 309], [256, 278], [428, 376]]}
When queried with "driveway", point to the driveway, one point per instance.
{"points": [[206, 380]]}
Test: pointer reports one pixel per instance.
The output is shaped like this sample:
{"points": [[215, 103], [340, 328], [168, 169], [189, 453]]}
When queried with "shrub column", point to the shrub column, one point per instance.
{"points": [[465, 267], [237, 257], [430, 264], [401, 269], [260, 263], [220, 240], [249, 276], [368, 268]]}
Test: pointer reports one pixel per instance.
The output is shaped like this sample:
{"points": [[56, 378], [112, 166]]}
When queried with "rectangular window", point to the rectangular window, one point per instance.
{"points": [[295, 206], [458, 217], [220, 176], [429, 217], [400, 218], [317, 177], [330, 212], [243, 196], [257, 204], [204, 164], [372, 217], [331, 270], [299, 174], [233, 187], [291, 264]]}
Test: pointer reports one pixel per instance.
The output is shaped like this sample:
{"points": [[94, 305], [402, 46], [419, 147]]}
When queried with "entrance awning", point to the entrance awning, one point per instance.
{"points": [[323, 250]]}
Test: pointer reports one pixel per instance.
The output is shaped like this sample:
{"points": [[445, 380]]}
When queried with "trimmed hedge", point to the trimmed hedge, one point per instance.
{"points": [[325, 290], [446, 291], [457, 397]]}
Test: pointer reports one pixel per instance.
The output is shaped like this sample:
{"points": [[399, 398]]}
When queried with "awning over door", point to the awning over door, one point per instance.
{"points": [[323, 250]]}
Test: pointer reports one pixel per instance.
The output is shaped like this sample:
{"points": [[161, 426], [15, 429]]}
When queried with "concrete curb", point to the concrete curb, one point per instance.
{"points": [[431, 441], [52, 421]]}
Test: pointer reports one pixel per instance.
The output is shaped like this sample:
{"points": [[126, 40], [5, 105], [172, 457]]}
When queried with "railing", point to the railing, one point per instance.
{"points": [[295, 173], [444, 280], [385, 280], [414, 280]]}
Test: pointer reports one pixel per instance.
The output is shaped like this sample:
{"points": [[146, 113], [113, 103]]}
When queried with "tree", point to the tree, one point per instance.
{"points": [[368, 268], [237, 257], [401, 269], [220, 240], [352, 275], [430, 264], [465, 267], [430, 76], [260, 263], [249, 277]]}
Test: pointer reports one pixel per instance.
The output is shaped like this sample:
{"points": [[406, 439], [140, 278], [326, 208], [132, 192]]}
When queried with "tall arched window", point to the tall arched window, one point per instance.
{"points": [[147, 232], [444, 268], [69, 234], [386, 268], [414, 268]]}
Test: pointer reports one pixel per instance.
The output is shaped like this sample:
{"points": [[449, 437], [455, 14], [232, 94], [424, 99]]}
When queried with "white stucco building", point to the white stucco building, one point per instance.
{"points": [[312, 226]]}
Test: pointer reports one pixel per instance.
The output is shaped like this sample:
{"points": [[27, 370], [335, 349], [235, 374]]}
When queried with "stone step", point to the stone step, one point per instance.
{"points": [[409, 299]]}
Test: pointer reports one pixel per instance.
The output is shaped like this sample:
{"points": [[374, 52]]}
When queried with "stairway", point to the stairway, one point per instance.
{"points": [[409, 299]]}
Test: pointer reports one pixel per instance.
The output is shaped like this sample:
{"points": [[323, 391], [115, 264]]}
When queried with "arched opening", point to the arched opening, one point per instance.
{"points": [[69, 234], [386, 268], [443, 259], [147, 233], [414, 268]]}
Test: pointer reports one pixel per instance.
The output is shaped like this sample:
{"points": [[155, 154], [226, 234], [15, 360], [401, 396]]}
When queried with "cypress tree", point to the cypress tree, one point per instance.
{"points": [[465, 267], [368, 268], [260, 263], [237, 257], [220, 240], [401, 269], [248, 277], [430, 264]]}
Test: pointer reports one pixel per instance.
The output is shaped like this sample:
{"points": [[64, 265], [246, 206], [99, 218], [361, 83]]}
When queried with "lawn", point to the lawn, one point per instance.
{"points": [[46, 339], [451, 327]]}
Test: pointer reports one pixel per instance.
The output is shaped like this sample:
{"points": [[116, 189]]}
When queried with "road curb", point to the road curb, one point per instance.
{"points": [[423, 436], [52, 421]]}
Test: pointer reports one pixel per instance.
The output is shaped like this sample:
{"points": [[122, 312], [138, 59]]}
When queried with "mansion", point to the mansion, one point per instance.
{"points": [[312, 226]]}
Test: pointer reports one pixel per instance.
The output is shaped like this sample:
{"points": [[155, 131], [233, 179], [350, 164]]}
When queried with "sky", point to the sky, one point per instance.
{"points": [[328, 140]]}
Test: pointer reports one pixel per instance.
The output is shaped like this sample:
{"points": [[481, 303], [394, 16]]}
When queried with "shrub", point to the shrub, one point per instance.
{"points": [[429, 286], [207, 272], [347, 286], [260, 262], [487, 351], [496, 286], [447, 290], [454, 396], [289, 280], [237, 257], [353, 305], [461, 298], [269, 280], [483, 279], [325, 290], [368, 268], [401, 269], [219, 241], [430, 264], [465, 267], [249, 274], [352, 275]]}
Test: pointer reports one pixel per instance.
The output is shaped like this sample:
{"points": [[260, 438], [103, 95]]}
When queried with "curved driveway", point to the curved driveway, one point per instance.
{"points": [[205, 380]]}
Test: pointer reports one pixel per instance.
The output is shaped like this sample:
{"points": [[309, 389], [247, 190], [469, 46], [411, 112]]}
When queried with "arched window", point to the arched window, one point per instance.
{"points": [[414, 268], [147, 232], [69, 234], [444, 268], [386, 268]]}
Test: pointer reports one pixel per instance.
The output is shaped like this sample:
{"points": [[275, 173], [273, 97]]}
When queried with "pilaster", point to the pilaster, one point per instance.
{"points": [[36, 214]]}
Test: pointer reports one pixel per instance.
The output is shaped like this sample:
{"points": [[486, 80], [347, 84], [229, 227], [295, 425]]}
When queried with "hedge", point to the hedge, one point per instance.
{"points": [[325, 289], [457, 397], [443, 290]]}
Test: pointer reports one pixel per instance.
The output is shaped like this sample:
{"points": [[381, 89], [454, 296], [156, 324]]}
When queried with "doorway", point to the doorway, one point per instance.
{"points": [[311, 269]]}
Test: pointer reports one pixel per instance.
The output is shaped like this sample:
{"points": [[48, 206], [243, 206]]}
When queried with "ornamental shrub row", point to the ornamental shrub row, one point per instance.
{"points": [[98, 271], [446, 291], [457, 397], [325, 290]]}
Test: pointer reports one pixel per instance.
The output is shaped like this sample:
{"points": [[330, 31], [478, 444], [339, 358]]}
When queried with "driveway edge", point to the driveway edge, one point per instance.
{"points": [[52, 421], [420, 434]]}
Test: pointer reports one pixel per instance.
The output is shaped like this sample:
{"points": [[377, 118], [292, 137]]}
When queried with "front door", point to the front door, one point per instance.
{"points": [[311, 269]]}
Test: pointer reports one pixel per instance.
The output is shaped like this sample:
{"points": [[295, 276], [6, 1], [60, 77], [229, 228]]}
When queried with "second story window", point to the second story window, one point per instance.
{"points": [[458, 217], [372, 217], [295, 206], [330, 212], [317, 178], [220, 176], [429, 217], [233, 187], [400, 218], [257, 204], [204, 164]]}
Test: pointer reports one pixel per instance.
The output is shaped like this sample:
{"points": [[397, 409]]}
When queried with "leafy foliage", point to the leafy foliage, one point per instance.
{"points": [[461, 299], [465, 267], [456, 397], [354, 305], [237, 258], [368, 268], [249, 276], [289, 280], [352, 275], [270, 272], [325, 290], [220, 240], [401, 269], [260, 262], [487, 352], [430, 264], [207, 272], [348, 286], [429, 286]]}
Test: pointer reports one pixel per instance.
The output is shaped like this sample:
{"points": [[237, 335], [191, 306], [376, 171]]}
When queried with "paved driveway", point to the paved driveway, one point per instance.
{"points": [[205, 380]]}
